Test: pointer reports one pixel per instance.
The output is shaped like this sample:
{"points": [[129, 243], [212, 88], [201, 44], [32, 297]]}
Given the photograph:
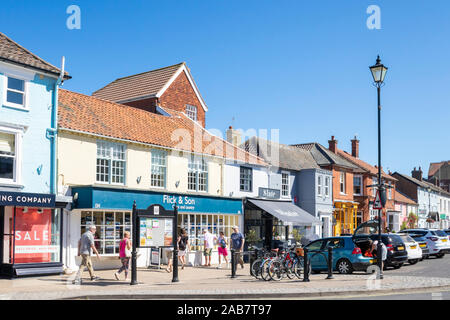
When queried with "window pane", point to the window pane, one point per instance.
{"points": [[14, 97], [7, 144], [16, 84], [6, 168]]}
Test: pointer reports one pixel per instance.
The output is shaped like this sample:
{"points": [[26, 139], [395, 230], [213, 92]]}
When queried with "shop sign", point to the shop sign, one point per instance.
{"points": [[27, 199], [269, 193]]}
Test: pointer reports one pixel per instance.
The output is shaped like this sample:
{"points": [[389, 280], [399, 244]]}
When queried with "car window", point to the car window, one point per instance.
{"points": [[316, 245], [441, 233], [419, 232], [395, 240], [335, 243], [406, 238]]}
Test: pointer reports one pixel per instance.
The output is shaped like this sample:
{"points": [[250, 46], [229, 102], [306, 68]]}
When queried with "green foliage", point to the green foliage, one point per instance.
{"points": [[412, 220], [296, 235], [251, 237]]}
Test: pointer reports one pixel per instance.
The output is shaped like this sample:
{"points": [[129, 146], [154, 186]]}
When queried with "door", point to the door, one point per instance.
{"points": [[338, 246], [317, 260]]}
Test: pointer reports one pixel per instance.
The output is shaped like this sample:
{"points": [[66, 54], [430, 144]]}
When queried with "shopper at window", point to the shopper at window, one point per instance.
{"points": [[208, 246], [85, 248], [183, 246], [237, 244], [222, 241], [124, 254]]}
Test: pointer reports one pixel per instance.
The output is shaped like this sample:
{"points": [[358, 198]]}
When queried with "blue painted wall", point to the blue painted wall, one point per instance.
{"points": [[35, 145]]}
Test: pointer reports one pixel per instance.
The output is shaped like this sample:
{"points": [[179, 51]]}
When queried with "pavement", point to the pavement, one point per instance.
{"points": [[210, 283]]}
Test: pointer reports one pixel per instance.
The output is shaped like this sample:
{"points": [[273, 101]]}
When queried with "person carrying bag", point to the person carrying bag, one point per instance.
{"points": [[124, 254]]}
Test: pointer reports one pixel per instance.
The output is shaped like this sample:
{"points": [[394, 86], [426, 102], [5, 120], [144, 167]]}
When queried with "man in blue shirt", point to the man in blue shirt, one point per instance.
{"points": [[237, 244]]}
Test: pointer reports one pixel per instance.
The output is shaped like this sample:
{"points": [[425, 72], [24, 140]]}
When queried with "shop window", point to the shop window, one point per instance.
{"points": [[197, 174], [285, 184], [246, 179], [110, 229], [32, 235], [158, 168], [111, 162]]}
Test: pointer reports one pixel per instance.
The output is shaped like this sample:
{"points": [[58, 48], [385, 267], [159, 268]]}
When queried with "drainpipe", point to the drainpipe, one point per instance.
{"points": [[52, 131]]}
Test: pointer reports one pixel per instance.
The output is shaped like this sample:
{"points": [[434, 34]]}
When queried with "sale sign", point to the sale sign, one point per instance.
{"points": [[33, 236]]}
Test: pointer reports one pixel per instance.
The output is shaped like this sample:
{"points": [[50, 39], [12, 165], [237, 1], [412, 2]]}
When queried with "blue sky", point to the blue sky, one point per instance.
{"points": [[298, 66]]}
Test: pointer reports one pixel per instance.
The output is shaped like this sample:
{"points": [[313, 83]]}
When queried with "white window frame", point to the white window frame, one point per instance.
{"points": [[360, 177], [284, 186], [327, 186], [319, 185], [198, 169], [161, 154], [192, 112], [342, 182], [111, 159], [247, 177], [17, 169]]}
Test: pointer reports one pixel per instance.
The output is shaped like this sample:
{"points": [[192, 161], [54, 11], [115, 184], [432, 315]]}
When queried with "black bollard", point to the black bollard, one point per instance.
{"points": [[306, 265], [330, 263], [233, 264]]}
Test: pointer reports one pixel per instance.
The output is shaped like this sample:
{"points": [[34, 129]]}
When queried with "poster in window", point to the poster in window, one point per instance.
{"points": [[33, 236]]}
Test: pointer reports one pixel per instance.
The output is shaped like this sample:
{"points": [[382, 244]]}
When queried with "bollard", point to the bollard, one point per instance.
{"points": [[175, 246], [306, 265], [233, 264], [330, 263]]}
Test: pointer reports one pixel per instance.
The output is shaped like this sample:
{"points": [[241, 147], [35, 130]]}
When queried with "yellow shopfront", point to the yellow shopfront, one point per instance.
{"points": [[344, 217]]}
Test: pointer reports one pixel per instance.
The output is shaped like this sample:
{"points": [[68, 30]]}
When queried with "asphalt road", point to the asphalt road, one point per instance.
{"points": [[431, 267]]}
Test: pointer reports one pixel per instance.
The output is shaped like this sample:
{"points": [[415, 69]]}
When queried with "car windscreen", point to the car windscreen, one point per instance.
{"points": [[441, 233], [417, 237], [418, 232]]}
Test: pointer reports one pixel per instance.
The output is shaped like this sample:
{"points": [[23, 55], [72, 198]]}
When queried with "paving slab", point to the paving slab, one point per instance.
{"points": [[209, 283]]}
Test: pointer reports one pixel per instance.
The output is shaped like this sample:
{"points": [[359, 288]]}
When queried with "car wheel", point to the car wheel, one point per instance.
{"points": [[427, 256], [344, 266], [440, 255], [398, 266], [413, 261]]}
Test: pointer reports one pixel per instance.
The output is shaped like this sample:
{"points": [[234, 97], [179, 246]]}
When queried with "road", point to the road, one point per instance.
{"points": [[431, 267]]}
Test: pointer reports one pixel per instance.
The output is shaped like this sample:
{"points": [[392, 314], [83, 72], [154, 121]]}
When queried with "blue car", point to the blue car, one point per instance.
{"points": [[347, 256]]}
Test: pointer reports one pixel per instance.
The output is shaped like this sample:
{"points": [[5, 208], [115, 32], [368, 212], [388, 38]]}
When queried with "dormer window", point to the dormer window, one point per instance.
{"points": [[191, 112]]}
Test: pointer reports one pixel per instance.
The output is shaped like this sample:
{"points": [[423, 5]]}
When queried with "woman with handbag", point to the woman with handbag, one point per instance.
{"points": [[183, 246], [124, 254]]}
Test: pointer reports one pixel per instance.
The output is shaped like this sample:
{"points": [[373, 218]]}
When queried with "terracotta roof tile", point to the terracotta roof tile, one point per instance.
{"points": [[92, 115], [400, 197]]}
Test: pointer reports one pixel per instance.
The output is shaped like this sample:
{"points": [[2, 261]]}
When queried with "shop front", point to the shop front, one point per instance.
{"points": [[345, 217], [273, 221], [30, 234], [110, 210]]}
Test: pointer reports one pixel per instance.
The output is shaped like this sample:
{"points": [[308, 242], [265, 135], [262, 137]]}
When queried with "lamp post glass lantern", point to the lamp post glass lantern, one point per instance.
{"points": [[378, 73]]}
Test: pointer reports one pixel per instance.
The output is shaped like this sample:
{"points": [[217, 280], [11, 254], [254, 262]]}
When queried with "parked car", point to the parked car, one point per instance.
{"points": [[412, 247], [422, 241], [396, 249], [447, 231], [438, 245], [347, 257]]}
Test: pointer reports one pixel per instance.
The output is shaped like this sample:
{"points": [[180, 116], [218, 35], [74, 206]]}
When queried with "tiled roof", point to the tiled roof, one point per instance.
{"points": [[139, 85], [90, 115], [400, 197], [287, 157], [435, 166], [362, 164], [325, 157], [13, 52], [424, 184]]}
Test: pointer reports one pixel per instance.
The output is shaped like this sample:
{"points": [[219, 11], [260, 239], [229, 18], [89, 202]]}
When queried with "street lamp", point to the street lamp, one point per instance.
{"points": [[378, 73]]}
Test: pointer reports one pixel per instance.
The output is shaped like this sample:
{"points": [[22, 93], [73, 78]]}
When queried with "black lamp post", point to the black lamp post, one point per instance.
{"points": [[378, 73]]}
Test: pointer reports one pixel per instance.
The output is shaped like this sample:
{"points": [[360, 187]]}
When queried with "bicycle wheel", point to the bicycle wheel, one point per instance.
{"points": [[264, 270], [299, 267], [289, 269], [255, 268], [276, 270]]}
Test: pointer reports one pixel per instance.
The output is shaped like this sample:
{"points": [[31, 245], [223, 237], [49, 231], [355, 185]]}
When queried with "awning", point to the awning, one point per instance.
{"points": [[287, 212]]}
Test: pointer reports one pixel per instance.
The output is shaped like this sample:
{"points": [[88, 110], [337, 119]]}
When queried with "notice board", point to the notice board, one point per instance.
{"points": [[155, 232]]}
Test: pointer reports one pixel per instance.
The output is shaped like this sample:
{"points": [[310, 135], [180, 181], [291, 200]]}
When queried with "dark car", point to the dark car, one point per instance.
{"points": [[396, 250], [447, 231], [422, 241]]}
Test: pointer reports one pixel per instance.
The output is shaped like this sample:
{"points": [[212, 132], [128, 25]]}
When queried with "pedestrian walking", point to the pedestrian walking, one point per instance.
{"points": [[183, 246], [237, 244], [85, 248], [223, 243], [124, 255], [208, 243], [169, 255]]}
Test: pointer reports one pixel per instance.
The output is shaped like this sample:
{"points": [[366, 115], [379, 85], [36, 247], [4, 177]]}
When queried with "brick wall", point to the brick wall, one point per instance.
{"points": [[181, 93]]}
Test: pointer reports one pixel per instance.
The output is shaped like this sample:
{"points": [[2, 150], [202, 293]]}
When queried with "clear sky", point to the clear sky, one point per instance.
{"points": [[298, 66]]}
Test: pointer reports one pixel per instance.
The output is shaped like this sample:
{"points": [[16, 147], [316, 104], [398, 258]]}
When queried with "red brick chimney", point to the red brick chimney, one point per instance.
{"points": [[417, 174], [355, 147], [332, 144]]}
